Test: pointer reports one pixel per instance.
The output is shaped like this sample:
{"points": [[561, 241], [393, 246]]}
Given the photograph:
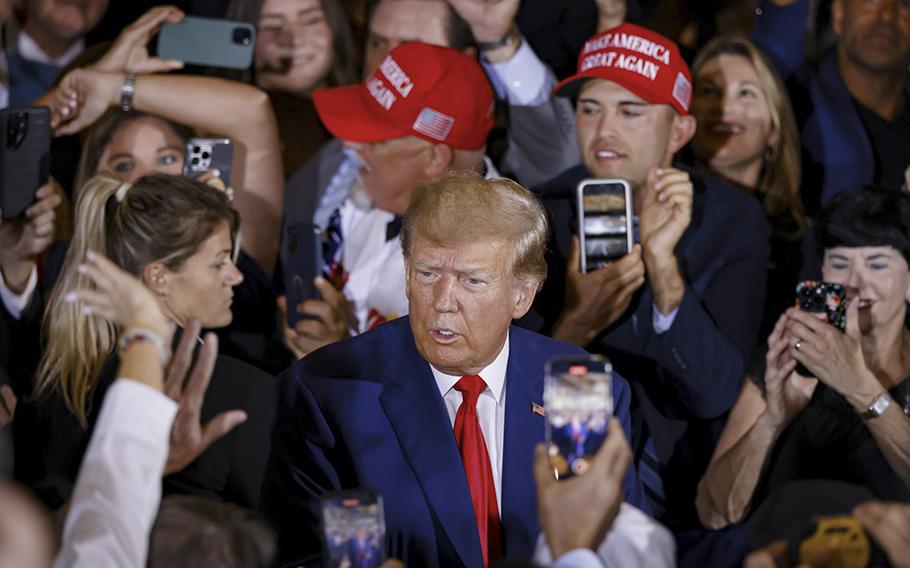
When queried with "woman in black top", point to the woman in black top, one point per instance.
{"points": [[179, 237], [849, 421]]}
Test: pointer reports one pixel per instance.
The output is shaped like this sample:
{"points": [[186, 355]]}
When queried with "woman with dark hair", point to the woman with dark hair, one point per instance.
{"points": [[846, 418], [301, 46], [178, 236]]}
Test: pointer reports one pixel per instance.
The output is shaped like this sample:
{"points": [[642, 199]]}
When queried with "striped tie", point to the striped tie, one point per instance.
{"points": [[649, 472], [332, 269]]}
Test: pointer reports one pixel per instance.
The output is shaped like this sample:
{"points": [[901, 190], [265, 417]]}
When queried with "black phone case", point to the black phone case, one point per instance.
{"points": [[303, 254], [25, 145], [822, 297], [205, 154]]}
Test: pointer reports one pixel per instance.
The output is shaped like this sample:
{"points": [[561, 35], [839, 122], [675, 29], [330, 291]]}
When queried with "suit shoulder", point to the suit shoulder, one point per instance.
{"points": [[540, 346], [561, 186], [721, 195], [357, 357]]}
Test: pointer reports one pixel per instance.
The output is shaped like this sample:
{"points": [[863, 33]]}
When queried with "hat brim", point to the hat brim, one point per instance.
{"points": [[570, 87], [348, 115]]}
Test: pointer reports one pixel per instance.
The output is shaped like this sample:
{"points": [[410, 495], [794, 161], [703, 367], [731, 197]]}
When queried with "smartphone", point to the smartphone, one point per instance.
{"points": [[353, 525], [822, 298], [208, 42], [201, 155], [578, 401], [303, 261], [604, 221], [835, 541], [25, 147]]}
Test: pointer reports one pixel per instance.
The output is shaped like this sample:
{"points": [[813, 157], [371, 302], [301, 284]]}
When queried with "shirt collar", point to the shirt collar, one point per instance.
{"points": [[493, 374], [29, 49]]}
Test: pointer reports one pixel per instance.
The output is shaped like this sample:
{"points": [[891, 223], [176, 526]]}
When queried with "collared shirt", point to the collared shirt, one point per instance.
{"points": [[118, 490], [14, 303], [491, 408]]}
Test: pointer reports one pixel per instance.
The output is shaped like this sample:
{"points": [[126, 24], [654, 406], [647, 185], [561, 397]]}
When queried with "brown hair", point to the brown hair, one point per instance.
{"points": [[195, 531], [778, 184], [157, 218], [344, 54], [465, 208]]}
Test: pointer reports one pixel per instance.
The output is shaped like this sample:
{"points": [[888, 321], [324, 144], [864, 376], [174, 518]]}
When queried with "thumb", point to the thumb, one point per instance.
{"points": [[282, 303], [329, 293], [574, 264], [543, 470], [158, 65], [219, 426], [852, 327], [650, 184]]}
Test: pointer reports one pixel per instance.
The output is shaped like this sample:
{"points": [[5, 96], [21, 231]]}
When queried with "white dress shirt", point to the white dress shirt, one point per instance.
{"points": [[634, 540], [118, 491], [491, 409], [14, 303]]}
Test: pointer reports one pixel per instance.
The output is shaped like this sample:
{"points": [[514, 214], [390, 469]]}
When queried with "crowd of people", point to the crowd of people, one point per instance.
{"points": [[177, 390]]}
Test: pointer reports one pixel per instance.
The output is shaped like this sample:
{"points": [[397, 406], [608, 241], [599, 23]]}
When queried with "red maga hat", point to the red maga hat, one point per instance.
{"points": [[638, 59], [435, 93]]}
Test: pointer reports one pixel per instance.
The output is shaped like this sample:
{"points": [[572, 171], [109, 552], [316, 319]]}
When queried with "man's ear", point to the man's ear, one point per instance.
{"points": [[524, 297], [837, 16], [441, 159], [681, 131], [157, 278]]}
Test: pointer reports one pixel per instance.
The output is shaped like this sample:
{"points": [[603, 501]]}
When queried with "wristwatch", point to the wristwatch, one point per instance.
{"points": [[878, 406], [509, 39], [127, 89]]}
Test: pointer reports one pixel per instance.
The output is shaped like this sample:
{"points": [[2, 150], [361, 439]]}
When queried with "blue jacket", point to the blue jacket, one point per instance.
{"points": [[367, 412], [837, 152], [686, 379]]}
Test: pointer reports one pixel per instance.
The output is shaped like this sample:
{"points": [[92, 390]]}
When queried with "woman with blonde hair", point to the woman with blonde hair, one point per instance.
{"points": [[747, 135], [178, 236]]}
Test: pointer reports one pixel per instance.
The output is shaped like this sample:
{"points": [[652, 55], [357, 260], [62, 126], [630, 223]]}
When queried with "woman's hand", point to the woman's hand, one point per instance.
{"points": [[120, 297], [130, 54], [80, 99], [786, 392], [835, 358]]}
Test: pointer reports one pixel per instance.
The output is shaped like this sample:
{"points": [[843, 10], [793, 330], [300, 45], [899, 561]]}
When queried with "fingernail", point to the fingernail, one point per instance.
{"points": [[86, 311], [216, 172], [70, 297], [80, 269], [90, 255]]}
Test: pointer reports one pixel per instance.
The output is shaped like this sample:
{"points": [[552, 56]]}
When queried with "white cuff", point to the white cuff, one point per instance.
{"points": [[578, 558], [14, 303], [662, 323], [523, 80]]}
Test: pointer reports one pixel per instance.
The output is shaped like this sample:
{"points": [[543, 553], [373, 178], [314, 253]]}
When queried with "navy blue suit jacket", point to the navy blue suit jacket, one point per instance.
{"points": [[367, 412], [686, 379], [837, 152]]}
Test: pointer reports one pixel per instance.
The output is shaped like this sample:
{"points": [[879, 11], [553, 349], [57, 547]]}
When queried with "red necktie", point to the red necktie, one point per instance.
{"points": [[477, 468]]}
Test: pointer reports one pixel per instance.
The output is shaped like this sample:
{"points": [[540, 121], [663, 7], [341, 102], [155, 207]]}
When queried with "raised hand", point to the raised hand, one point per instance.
{"points": [[610, 13], [666, 210], [594, 301], [22, 240], [80, 99], [489, 20], [328, 323], [786, 392], [130, 54], [189, 438]]}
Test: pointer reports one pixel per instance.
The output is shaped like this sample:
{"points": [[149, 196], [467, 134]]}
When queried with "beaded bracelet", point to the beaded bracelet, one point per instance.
{"points": [[137, 334]]}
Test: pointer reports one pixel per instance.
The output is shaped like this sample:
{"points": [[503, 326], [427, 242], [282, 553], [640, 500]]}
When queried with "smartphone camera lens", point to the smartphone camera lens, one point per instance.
{"points": [[243, 36]]}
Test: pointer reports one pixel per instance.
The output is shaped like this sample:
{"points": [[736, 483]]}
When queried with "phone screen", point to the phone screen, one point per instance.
{"points": [[605, 223], [354, 529], [578, 399]]}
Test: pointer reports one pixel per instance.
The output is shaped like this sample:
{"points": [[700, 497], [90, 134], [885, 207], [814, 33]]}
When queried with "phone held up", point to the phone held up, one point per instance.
{"points": [[208, 42], [25, 146], [202, 155], [353, 525], [578, 399], [604, 221], [822, 298], [302, 258]]}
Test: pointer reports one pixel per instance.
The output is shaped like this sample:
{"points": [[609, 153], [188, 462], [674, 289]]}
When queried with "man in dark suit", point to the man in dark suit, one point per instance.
{"points": [[680, 313], [439, 412]]}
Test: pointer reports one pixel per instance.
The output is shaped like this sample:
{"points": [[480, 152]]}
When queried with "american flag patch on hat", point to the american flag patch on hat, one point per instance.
{"points": [[434, 124], [682, 91]]}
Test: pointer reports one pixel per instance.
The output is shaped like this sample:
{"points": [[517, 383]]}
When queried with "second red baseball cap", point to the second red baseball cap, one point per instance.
{"points": [[435, 93], [638, 59]]}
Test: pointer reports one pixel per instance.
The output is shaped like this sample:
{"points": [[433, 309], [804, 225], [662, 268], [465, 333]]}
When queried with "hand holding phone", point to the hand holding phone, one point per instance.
{"points": [[578, 402], [353, 525], [822, 298], [605, 229], [204, 155], [302, 246], [25, 145]]}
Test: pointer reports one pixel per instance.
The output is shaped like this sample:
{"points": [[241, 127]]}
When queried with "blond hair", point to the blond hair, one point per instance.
{"points": [[157, 218], [465, 208], [779, 182]]}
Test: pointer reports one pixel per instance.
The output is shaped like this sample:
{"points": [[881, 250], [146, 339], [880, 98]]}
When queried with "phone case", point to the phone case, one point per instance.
{"points": [[208, 42], [302, 262], [605, 229], [25, 145], [205, 154], [824, 297], [353, 525], [578, 404]]}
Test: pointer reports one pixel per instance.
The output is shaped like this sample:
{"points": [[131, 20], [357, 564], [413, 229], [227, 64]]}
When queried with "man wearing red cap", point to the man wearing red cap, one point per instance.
{"points": [[679, 314], [425, 110]]}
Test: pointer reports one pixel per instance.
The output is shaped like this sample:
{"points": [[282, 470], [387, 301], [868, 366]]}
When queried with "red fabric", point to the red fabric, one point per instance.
{"points": [[477, 468]]}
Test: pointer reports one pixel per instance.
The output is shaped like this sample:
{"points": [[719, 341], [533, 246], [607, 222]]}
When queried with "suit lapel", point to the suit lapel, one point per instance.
{"points": [[415, 409], [523, 429]]}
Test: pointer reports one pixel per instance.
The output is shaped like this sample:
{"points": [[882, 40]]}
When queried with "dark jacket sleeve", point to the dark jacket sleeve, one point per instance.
{"points": [[631, 485]]}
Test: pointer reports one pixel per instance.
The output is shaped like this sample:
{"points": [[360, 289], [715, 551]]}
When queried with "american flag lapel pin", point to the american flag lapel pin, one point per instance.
{"points": [[537, 408]]}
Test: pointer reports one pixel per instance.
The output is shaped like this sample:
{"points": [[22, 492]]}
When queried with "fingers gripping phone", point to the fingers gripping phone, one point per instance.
{"points": [[25, 146], [208, 42], [578, 402], [202, 155], [604, 221], [353, 525], [303, 255], [822, 298]]}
